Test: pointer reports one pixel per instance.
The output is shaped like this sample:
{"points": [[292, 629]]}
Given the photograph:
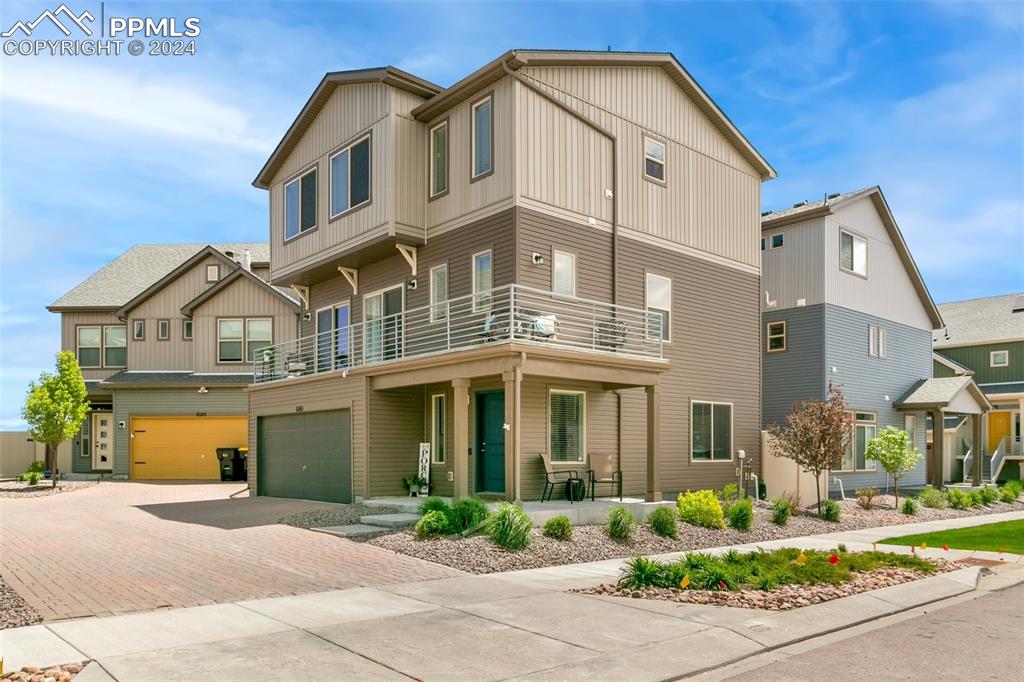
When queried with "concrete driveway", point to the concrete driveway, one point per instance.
{"points": [[121, 547]]}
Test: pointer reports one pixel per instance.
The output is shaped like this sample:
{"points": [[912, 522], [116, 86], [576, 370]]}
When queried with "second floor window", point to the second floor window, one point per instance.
{"points": [[258, 334], [483, 137], [853, 254], [163, 330], [777, 241], [659, 307], [230, 343], [654, 159], [999, 358], [186, 330], [138, 330], [439, 159], [483, 279], [300, 204], [877, 341], [439, 293], [350, 177], [105, 346], [775, 337], [115, 346], [563, 273]]}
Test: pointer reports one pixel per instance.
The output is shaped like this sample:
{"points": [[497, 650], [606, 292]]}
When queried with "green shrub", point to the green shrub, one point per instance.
{"points": [[1015, 487], [866, 497], [841, 548], [663, 522], [730, 492], [781, 511], [700, 508], [434, 504], [558, 527], [37, 465], [620, 524], [830, 511], [466, 514], [640, 572], [741, 514], [932, 498], [1007, 494], [909, 507], [988, 495], [958, 499], [32, 477], [509, 527], [432, 524]]}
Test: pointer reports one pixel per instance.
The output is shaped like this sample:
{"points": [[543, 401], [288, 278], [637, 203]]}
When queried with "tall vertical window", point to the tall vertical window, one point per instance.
{"points": [[863, 430], [138, 330], [230, 340], [566, 415], [910, 426], [659, 307], [439, 159], [563, 273], [258, 334], [350, 177], [186, 330], [437, 428], [483, 137], [853, 254], [711, 431], [654, 159], [483, 279], [775, 336], [439, 293], [89, 345], [877, 341], [300, 204], [115, 347], [163, 330]]}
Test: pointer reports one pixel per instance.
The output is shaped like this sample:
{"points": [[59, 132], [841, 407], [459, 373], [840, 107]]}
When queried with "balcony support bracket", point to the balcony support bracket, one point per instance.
{"points": [[303, 294], [352, 275], [409, 254]]}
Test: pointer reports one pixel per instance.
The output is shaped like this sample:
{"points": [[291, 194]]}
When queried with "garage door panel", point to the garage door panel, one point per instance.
{"points": [[306, 456], [183, 448]]}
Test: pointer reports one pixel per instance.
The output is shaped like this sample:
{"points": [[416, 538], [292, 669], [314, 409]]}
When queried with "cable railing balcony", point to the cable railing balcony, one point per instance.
{"points": [[511, 313]]}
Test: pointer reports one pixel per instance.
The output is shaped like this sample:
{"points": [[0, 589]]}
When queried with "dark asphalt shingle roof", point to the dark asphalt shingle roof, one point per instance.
{"points": [[980, 319], [812, 205], [994, 389]]}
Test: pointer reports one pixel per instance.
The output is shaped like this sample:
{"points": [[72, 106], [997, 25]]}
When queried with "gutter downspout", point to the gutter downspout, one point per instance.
{"points": [[615, 166]]}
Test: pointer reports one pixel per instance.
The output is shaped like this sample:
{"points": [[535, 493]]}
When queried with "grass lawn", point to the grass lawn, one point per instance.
{"points": [[1007, 536]]}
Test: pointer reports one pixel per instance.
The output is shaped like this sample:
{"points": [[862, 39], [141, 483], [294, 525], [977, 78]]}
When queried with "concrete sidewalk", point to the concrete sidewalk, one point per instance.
{"points": [[519, 625]]}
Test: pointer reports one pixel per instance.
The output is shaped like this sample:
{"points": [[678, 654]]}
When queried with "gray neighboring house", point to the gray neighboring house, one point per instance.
{"points": [[164, 335], [843, 302]]}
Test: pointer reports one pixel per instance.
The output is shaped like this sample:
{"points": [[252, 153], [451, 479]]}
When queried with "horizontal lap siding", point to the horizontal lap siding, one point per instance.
{"points": [[544, 234], [396, 429], [796, 374], [439, 483]]}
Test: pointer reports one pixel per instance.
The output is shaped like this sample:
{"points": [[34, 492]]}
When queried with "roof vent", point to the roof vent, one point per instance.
{"points": [[1018, 304], [764, 213], [800, 203], [833, 195]]}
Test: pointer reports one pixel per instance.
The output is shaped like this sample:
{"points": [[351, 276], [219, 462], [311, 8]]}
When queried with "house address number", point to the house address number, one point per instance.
{"points": [[200, 414], [298, 408]]}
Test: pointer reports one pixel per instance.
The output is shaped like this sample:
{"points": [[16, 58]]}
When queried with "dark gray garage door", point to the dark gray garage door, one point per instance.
{"points": [[306, 456]]}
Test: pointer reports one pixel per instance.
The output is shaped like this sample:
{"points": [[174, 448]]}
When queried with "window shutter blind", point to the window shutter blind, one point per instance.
{"points": [[564, 274], [439, 292], [566, 427]]}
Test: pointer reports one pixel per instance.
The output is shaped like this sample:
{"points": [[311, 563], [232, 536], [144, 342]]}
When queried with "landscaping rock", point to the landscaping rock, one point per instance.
{"points": [[334, 515], [14, 612], [42, 489]]}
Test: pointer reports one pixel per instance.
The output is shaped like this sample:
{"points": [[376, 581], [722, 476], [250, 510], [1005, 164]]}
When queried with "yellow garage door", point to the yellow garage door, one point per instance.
{"points": [[183, 447]]}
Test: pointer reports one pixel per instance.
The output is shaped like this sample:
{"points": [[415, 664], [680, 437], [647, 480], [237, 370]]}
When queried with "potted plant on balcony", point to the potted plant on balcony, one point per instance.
{"points": [[416, 485]]}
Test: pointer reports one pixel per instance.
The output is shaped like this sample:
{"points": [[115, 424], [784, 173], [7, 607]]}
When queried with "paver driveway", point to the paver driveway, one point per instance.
{"points": [[120, 547]]}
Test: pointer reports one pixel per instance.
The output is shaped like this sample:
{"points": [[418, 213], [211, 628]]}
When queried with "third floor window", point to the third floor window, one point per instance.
{"points": [[350, 177], [483, 137], [439, 159], [853, 253], [300, 204]]}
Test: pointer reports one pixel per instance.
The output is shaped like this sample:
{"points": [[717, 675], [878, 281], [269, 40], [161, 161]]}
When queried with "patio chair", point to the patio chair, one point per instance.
{"points": [[603, 469], [551, 477]]}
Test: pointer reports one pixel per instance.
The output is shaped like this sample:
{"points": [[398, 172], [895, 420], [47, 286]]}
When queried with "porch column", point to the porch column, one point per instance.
{"points": [[460, 438], [513, 470], [653, 445], [976, 448], [938, 445]]}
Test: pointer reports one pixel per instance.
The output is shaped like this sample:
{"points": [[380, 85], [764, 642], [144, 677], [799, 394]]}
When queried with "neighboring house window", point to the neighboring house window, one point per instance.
{"points": [[212, 273], [654, 159], [910, 426], [777, 241], [350, 177], [230, 342], [566, 414], [138, 330], [762, 243], [439, 293], [258, 334], [437, 430], [483, 137], [877, 341], [864, 427], [89, 345], [853, 253], [711, 431], [439, 159], [300, 204], [999, 358], [163, 330], [659, 307], [483, 279], [186, 330], [776, 336], [115, 346], [563, 273]]}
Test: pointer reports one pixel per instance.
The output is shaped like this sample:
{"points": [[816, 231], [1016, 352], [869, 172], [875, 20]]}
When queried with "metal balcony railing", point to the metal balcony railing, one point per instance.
{"points": [[501, 315]]}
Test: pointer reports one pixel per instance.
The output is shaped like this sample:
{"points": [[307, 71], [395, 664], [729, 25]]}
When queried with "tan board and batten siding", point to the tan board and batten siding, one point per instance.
{"points": [[69, 324]]}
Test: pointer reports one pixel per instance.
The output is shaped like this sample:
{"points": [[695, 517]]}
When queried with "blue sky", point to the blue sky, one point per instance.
{"points": [[925, 99]]}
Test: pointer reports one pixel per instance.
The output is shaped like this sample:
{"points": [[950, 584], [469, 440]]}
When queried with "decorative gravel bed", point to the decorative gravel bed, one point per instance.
{"points": [[783, 598], [478, 554], [42, 489], [335, 515], [14, 612], [57, 673]]}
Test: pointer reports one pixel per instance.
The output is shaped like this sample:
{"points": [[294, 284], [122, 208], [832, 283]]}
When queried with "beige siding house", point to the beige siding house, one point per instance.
{"points": [[165, 336], [556, 255]]}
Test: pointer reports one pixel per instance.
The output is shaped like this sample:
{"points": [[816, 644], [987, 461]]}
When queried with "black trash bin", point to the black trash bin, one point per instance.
{"points": [[241, 461], [227, 457], [575, 489]]}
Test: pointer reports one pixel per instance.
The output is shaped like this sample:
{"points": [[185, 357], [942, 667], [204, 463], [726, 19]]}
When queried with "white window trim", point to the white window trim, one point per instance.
{"points": [[661, 162], [872, 341], [380, 292], [215, 269], [477, 305], [433, 425], [768, 336], [185, 324], [163, 325], [554, 257], [347, 303], [242, 340], [103, 345], [472, 147], [855, 237], [583, 426], [732, 431], [883, 342], [142, 326], [647, 306], [284, 201], [439, 311], [79, 346], [992, 358], [330, 179], [448, 167], [771, 241], [245, 335], [854, 422]]}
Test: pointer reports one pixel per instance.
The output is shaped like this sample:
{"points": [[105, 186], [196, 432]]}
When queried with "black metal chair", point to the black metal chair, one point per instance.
{"points": [[551, 477], [603, 469]]}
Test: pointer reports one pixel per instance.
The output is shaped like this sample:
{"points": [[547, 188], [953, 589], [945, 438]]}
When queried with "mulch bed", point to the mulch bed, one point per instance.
{"points": [[57, 673], [478, 554], [335, 515], [784, 598], [42, 489], [14, 612]]}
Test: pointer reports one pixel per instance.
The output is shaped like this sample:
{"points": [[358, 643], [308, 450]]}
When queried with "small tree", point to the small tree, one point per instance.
{"points": [[893, 450], [815, 435], [56, 406]]}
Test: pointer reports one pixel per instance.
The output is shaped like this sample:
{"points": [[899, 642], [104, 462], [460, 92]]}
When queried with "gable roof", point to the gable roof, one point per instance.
{"points": [[174, 274], [331, 80], [828, 205], [225, 282], [940, 392], [516, 59], [952, 364], [137, 269], [981, 320]]}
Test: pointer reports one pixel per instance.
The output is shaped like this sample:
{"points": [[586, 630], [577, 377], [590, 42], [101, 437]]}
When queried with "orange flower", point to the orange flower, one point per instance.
{"points": [[802, 559], [685, 582], [945, 547]]}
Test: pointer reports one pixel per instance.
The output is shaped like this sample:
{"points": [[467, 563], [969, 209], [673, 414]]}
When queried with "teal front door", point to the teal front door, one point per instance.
{"points": [[490, 442]]}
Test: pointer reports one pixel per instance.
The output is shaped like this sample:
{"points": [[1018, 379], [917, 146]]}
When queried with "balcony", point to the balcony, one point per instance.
{"points": [[505, 315]]}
